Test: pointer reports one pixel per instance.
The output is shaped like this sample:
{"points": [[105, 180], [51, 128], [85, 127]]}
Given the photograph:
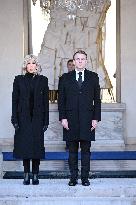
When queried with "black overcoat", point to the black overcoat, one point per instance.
{"points": [[79, 105], [29, 138]]}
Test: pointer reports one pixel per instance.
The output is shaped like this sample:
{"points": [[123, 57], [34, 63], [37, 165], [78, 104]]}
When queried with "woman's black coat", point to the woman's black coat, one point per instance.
{"points": [[29, 138]]}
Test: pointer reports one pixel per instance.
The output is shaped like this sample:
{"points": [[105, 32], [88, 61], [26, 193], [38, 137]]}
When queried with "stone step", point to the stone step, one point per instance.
{"points": [[59, 165], [68, 201], [57, 192], [66, 174]]}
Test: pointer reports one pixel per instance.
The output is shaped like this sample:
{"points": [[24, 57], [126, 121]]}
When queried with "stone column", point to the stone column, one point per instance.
{"points": [[1, 162], [128, 66]]}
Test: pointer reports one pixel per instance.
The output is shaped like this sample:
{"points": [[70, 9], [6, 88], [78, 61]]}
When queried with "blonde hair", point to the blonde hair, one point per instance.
{"points": [[26, 61]]}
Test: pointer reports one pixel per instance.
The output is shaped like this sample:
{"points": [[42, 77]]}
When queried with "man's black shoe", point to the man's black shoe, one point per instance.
{"points": [[85, 182], [26, 179], [73, 182], [35, 180]]}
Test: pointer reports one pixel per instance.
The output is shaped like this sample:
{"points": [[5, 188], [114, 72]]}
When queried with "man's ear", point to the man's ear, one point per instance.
{"points": [[74, 62]]}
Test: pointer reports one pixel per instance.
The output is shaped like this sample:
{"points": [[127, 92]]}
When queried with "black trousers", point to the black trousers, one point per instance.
{"points": [[35, 165], [67, 144], [85, 158]]}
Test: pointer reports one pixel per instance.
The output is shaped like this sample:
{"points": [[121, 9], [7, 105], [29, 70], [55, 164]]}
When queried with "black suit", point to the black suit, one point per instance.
{"points": [[79, 105]]}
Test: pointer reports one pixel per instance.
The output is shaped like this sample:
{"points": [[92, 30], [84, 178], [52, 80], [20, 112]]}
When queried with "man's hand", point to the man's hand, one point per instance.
{"points": [[64, 123], [94, 124], [16, 126], [45, 128]]}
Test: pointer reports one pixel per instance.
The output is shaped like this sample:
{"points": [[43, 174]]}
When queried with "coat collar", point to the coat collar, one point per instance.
{"points": [[28, 86], [86, 78]]}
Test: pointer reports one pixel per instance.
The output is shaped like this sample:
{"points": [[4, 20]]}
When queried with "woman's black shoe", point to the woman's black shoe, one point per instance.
{"points": [[35, 180], [73, 182], [26, 179]]}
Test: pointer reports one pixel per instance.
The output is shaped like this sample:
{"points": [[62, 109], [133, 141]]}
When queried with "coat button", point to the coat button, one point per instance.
{"points": [[80, 92]]}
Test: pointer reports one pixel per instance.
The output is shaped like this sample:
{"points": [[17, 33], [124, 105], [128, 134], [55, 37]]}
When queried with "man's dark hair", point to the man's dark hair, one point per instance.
{"points": [[80, 52], [69, 61]]}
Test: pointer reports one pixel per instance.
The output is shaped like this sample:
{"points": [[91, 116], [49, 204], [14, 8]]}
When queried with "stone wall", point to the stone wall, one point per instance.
{"points": [[11, 57], [128, 66]]}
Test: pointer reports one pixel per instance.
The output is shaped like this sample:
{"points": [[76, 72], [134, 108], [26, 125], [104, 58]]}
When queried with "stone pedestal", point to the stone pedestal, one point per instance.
{"points": [[110, 133]]}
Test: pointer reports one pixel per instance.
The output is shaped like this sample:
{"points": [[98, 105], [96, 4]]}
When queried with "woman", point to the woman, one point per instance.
{"points": [[30, 116]]}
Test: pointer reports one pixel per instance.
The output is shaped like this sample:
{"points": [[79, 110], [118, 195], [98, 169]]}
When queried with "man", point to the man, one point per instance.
{"points": [[70, 67], [79, 111]]}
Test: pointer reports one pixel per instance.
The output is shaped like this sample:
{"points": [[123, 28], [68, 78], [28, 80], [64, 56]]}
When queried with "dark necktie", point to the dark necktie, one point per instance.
{"points": [[80, 79]]}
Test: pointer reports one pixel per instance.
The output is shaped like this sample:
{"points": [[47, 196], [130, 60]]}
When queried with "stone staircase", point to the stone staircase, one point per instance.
{"points": [[119, 165], [56, 192]]}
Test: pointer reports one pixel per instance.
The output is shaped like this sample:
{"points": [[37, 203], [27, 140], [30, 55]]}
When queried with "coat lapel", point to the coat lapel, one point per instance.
{"points": [[37, 80], [75, 82], [28, 86], [86, 79], [73, 78]]}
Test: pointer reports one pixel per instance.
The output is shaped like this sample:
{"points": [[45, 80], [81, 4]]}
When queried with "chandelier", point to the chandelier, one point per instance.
{"points": [[71, 6]]}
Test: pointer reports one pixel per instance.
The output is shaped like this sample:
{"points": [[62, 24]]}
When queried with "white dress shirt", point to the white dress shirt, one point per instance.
{"points": [[77, 74]]}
